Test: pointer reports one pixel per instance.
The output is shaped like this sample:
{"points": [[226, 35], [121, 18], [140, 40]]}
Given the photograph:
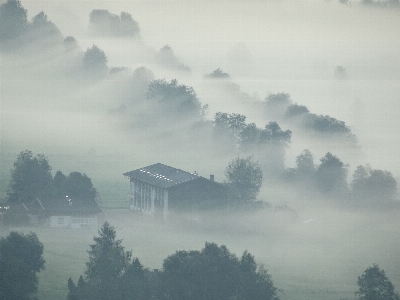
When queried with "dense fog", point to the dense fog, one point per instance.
{"points": [[105, 87]]}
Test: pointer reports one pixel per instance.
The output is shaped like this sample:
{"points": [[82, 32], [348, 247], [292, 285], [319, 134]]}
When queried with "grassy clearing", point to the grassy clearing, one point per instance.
{"points": [[65, 255], [307, 261]]}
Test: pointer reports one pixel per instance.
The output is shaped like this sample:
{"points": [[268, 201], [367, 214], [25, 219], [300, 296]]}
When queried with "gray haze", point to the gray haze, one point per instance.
{"points": [[101, 126]]}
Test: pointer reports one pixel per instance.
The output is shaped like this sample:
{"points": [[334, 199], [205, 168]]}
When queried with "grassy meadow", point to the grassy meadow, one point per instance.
{"points": [[306, 261]]}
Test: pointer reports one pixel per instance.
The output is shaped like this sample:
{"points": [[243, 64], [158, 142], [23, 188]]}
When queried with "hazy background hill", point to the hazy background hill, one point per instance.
{"points": [[100, 121]]}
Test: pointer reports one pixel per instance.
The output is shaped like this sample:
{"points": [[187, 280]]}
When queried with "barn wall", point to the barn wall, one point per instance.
{"points": [[147, 198], [60, 221], [84, 222], [73, 222], [197, 194]]}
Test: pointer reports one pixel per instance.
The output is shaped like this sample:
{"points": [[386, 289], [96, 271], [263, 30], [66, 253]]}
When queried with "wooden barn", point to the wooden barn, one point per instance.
{"points": [[158, 188]]}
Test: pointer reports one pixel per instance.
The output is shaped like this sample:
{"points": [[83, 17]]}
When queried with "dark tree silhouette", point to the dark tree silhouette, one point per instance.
{"points": [[129, 27], [104, 23], [273, 134], [226, 130], [305, 164], [277, 104], [328, 126], [70, 40], [60, 184], [245, 176], [70, 43], [110, 272], [268, 144], [79, 186], [214, 274], [167, 58], [95, 60], [323, 126], [30, 178], [373, 284], [13, 20], [107, 261], [229, 122], [76, 186], [304, 173], [42, 27], [295, 110], [331, 174], [217, 74], [376, 185], [21, 258], [143, 74], [250, 136], [175, 99], [278, 99]]}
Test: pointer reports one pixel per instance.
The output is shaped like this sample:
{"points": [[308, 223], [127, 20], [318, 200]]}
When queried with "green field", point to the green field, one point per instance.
{"points": [[320, 262]]}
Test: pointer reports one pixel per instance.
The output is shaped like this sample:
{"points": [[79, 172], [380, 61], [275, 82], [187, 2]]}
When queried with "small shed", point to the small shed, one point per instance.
{"points": [[64, 213], [158, 188]]}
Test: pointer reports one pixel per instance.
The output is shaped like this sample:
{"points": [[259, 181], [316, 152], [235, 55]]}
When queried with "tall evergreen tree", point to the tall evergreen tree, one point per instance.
{"points": [[110, 272]]}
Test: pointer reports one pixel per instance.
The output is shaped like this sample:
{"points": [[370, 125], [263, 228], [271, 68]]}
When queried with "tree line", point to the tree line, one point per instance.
{"points": [[15, 27], [212, 273], [173, 102], [31, 178], [330, 177]]}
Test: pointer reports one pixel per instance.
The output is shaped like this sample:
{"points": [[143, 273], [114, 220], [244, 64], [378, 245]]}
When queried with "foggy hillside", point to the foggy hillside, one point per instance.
{"points": [[105, 87], [266, 48]]}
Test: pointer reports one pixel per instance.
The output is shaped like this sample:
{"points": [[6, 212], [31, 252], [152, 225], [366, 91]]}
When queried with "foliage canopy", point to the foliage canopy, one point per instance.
{"points": [[374, 285], [217, 74], [245, 175], [331, 174], [104, 23], [30, 178], [95, 60], [174, 98], [370, 184], [110, 273], [21, 257], [13, 20], [214, 274]]}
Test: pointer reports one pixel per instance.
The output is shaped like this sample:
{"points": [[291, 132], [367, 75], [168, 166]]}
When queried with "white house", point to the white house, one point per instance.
{"points": [[64, 213]]}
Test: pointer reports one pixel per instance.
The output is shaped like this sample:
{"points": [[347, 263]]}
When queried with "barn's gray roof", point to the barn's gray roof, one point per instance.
{"points": [[65, 205], [162, 175]]}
